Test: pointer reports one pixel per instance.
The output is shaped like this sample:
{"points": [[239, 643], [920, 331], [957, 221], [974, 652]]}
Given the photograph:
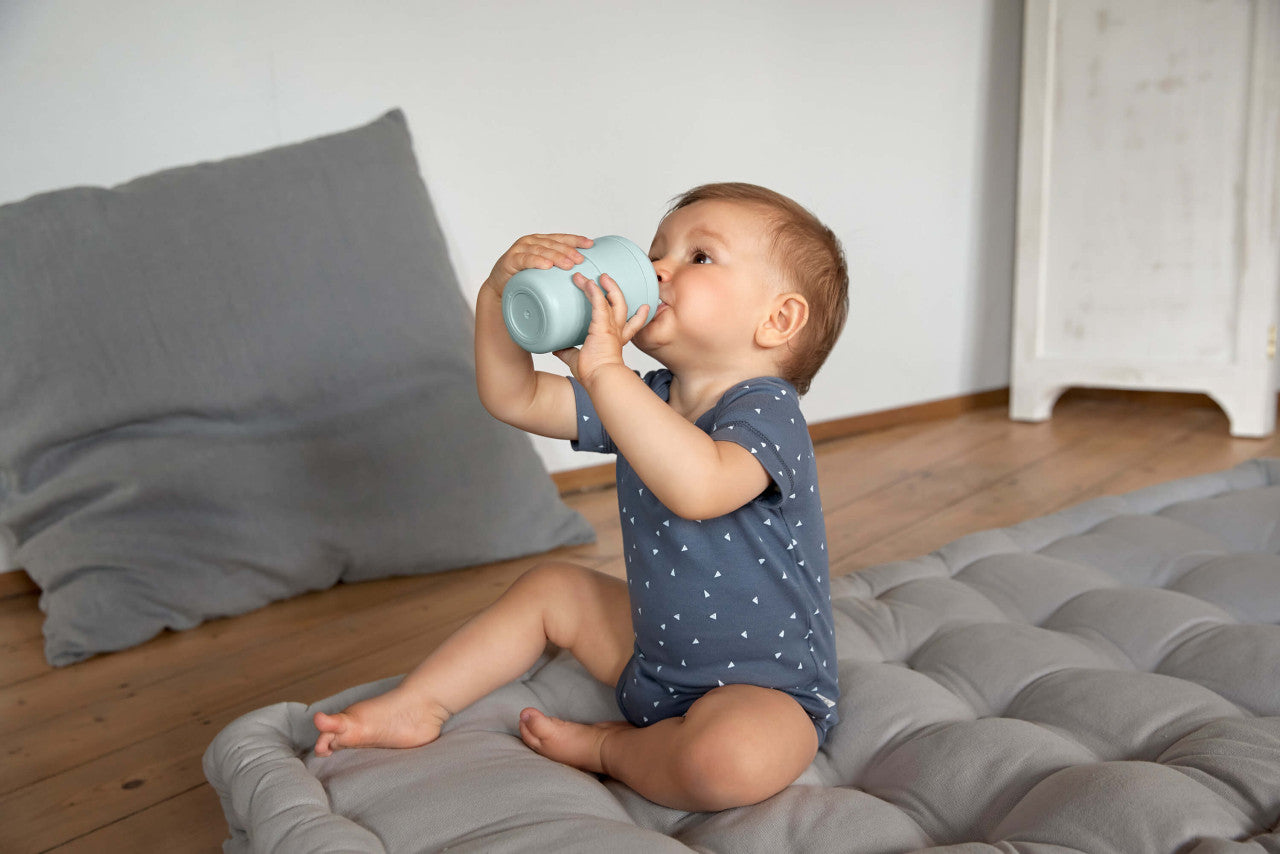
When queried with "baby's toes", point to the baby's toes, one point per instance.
{"points": [[532, 728], [327, 723], [564, 741]]}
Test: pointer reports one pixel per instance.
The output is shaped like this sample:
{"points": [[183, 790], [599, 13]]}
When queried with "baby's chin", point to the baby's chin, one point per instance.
{"points": [[656, 350], [643, 340]]}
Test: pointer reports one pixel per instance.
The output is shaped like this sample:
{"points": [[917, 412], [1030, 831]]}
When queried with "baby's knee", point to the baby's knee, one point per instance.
{"points": [[548, 581], [556, 591], [718, 772]]}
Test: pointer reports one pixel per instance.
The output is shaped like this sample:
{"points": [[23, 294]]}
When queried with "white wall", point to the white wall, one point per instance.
{"points": [[896, 122]]}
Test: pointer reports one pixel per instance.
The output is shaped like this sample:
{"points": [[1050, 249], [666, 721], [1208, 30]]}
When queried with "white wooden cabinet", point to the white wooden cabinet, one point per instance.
{"points": [[1148, 245]]}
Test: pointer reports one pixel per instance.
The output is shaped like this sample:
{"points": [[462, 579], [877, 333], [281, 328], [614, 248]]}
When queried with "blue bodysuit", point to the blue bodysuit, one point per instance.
{"points": [[743, 598]]}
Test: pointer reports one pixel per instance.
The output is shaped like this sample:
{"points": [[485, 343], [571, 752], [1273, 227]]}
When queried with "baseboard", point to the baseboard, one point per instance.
{"points": [[584, 479], [601, 476], [950, 407], [16, 582]]}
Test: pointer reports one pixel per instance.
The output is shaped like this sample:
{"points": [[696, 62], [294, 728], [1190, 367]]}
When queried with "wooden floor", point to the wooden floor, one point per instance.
{"points": [[105, 755]]}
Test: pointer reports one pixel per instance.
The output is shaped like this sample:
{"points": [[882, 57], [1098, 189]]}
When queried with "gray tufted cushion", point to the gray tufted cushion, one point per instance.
{"points": [[1106, 679]]}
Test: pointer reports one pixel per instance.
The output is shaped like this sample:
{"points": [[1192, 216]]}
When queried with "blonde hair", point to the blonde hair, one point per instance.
{"points": [[809, 254]]}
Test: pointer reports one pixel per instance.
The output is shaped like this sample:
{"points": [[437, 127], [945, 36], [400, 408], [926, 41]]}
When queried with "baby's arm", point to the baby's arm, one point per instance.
{"points": [[694, 475], [509, 387]]}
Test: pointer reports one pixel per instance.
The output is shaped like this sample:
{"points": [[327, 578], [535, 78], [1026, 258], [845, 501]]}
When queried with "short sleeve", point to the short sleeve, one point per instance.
{"points": [[591, 433], [763, 416]]}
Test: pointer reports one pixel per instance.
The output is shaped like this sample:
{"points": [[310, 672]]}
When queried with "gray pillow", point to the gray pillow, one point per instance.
{"points": [[233, 382]]}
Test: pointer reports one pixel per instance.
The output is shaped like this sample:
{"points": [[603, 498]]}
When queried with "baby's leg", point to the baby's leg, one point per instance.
{"points": [[737, 745], [577, 609]]}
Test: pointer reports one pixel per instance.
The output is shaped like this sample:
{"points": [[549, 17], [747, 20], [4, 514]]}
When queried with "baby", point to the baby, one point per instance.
{"points": [[720, 642]]}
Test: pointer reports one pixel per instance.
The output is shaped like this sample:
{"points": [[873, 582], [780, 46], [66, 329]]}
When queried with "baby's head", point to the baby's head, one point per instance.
{"points": [[798, 255]]}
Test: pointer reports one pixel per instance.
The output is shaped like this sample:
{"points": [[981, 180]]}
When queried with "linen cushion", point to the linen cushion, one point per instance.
{"points": [[1102, 680], [232, 382]]}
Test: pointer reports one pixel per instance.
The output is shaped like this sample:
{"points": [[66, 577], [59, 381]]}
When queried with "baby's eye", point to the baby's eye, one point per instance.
{"points": [[700, 257]]}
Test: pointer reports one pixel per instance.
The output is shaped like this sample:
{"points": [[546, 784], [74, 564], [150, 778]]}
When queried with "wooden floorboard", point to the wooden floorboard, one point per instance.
{"points": [[105, 755]]}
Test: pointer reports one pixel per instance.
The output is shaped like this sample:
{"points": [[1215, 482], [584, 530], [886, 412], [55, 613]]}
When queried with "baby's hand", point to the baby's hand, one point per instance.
{"points": [[537, 251], [609, 330]]}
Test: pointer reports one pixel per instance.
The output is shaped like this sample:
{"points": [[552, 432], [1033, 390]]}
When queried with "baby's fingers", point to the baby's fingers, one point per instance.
{"points": [[576, 240], [544, 257], [617, 300], [594, 293], [636, 323], [569, 356], [565, 247], [544, 251]]}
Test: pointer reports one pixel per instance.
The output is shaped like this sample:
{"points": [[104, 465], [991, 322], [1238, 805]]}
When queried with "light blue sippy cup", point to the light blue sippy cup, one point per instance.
{"points": [[545, 311]]}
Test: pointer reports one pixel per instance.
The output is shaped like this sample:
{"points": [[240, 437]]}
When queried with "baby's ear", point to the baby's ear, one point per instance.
{"points": [[788, 315]]}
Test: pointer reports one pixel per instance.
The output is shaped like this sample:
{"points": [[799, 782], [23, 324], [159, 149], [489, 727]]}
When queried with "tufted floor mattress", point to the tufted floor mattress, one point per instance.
{"points": [[1104, 679]]}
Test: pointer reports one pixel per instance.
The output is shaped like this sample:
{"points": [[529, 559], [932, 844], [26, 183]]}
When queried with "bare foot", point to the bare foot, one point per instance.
{"points": [[389, 720], [567, 742]]}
